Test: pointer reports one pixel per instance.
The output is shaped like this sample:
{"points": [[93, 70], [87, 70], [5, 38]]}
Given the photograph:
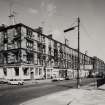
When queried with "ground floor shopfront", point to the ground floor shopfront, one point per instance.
{"points": [[69, 73], [27, 72]]}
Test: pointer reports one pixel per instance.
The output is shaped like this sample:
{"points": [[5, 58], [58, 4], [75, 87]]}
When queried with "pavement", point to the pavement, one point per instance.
{"points": [[84, 95]]}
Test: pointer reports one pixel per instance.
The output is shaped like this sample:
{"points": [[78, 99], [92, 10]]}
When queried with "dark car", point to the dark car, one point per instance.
{"points": [[100, 75]]}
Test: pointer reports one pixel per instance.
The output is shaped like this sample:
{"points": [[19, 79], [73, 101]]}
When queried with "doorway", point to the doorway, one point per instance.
{"points": [[32, 75]]}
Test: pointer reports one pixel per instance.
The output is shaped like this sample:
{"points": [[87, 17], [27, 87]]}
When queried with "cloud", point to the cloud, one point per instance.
{"points": [[48, 8], [51, 9], [42, 4], [12, 1], [33, 11]]}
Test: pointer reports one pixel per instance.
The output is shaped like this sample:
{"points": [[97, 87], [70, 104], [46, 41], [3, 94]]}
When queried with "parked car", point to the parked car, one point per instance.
{"points": [[3, 81], [16, 82], [58, 79]]}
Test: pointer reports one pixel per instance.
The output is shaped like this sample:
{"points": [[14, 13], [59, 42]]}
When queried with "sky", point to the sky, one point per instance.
{"points": [[57, 15]]}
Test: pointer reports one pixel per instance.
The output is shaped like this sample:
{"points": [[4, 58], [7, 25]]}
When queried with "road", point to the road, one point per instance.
{"points": [[18, 94]]}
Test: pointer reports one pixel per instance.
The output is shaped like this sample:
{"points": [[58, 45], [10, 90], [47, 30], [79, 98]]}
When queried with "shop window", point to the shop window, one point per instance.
{"points": [[5, 71], [16, 71], [25, 71]]}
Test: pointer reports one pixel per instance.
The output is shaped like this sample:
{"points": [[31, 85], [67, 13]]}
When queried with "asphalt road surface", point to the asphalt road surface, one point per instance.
{"points": [[15, 95]]}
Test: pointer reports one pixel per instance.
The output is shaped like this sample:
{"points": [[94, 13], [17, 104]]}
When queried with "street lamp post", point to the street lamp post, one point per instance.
{"points": [[78, 66]]}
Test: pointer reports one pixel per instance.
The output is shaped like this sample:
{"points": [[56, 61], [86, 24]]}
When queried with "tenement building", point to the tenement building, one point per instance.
{"points": [[98, 66], [27, 53]]}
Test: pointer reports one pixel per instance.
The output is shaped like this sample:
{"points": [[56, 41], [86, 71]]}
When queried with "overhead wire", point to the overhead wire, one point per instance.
{"points": [[88, 34]]}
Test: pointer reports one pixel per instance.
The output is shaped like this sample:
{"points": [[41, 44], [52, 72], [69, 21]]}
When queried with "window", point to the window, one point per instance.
{"points": [[30, 57], [29, 45], [18, 29], [40, 71], [29, 33], [16, 71]]}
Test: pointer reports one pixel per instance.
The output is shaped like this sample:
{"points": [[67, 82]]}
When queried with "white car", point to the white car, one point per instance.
{"points": [[61, 79], [15, 82], [58, 79], [3, 81]]}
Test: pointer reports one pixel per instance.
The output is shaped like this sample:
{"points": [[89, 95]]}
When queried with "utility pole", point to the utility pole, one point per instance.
{"points": [[78, 65]]}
